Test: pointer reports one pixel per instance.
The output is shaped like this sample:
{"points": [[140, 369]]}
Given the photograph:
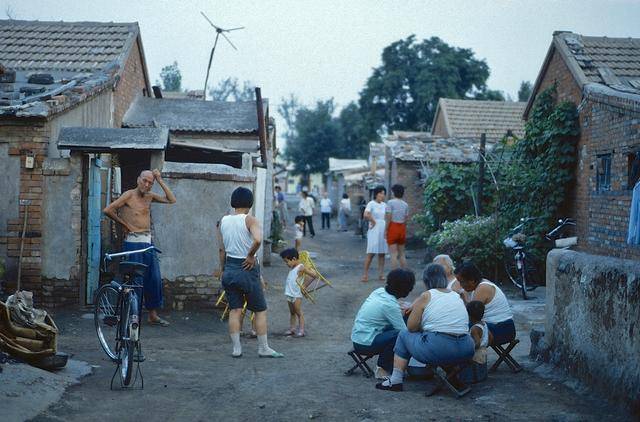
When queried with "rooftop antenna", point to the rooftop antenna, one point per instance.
{"points": [[219, 31]]}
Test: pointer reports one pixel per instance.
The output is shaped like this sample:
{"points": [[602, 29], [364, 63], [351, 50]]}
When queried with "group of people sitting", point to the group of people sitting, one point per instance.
{"points": [[452, 322]]}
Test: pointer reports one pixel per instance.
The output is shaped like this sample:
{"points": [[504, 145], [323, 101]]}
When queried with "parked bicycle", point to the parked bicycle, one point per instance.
{"points": [[523, 269], [117, 316]]}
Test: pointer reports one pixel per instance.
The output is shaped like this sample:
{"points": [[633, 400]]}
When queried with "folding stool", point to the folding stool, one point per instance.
{"points": [[444, 375], [504, 355], [361, 362]]}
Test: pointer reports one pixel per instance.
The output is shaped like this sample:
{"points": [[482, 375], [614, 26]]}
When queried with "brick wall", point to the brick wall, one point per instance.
{"points": [[602, 217], [29, 138], [131, 85]]}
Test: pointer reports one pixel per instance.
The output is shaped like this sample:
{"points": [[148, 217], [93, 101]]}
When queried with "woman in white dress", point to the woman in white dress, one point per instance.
{"points": [[376, 243]]}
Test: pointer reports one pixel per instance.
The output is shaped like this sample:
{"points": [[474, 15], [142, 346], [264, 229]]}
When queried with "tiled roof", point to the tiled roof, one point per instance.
{"points": [[81, 59], [106, 139], [471, 118], [599, 63], [193, 115], [64, 46], [347, 165], [422, 146]]}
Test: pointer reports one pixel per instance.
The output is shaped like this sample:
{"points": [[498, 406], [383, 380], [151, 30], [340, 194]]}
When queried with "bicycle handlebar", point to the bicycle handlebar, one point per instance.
{"points": [[109, 256]]}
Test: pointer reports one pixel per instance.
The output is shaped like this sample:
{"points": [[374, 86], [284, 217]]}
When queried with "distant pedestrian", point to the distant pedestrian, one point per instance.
{"points": [[281, 206], [242, 236], [306, 208], [344, 212], [374, 213], [325, 210], [397, 215], [299, 226]]}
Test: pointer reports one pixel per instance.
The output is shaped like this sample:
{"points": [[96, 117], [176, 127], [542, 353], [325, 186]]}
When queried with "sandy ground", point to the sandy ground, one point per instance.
{"points": [[189, 374]]}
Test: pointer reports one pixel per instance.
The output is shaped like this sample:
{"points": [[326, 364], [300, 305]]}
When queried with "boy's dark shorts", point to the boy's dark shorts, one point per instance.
{"points": [[240, 285]]}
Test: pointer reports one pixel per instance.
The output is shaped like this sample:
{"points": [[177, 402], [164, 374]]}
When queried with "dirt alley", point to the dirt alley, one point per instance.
{"points": [[189, 374]]}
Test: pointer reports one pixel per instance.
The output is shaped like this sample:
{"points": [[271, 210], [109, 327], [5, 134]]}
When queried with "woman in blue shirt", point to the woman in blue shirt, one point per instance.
{"points": [[379, 319]]}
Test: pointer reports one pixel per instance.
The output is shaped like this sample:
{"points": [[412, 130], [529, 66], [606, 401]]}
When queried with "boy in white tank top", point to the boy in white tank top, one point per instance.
{"points": [[292, 290]]}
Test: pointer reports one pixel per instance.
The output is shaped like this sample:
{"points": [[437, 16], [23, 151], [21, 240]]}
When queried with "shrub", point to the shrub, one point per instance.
{"points": [[470, 238]]}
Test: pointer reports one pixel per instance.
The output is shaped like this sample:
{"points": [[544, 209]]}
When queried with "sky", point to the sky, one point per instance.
{"points": [[322, 49]]}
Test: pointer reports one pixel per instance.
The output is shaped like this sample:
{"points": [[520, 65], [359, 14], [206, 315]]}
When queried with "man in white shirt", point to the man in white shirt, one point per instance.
{"points": [[325, 210], [306, 208]]}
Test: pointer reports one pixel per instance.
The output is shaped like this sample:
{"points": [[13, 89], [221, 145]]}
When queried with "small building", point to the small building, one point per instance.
{"points": [[339, 170], [469, 119], [602, 76], [52, 75], [410, 157]]}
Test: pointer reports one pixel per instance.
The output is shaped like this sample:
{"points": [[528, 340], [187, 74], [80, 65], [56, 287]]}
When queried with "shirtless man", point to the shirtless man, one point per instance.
{"points": [[132, 210]]}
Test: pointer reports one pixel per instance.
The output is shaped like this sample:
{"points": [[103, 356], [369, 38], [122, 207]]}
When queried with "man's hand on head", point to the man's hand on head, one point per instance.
{"points": [[156, 174]]}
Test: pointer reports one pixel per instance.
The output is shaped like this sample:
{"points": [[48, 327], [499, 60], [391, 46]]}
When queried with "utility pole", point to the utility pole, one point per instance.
{"points": [[483, 142]]}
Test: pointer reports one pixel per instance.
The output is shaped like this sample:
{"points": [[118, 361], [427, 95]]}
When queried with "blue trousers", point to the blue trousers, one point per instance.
{"points": [[434, 348], [503, 332], [151, 281], [382, 346]]}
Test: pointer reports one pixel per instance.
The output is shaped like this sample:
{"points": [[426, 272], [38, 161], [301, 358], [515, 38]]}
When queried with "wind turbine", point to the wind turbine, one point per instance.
{"points": [[219, 31]]}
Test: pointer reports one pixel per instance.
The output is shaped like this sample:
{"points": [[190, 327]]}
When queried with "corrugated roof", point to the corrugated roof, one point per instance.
{"points": [[64, 46], [193, 115], [107, 139], [347, 165], [471, 118], [422, 146]]}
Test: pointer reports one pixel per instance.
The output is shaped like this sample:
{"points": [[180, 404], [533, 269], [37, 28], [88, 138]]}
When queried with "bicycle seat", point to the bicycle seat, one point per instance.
{"points": [[132, 268]]}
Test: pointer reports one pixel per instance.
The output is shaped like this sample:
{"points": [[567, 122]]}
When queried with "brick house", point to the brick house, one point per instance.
{"points": [[601, 76], [409, 156], [469, 119], [57, 74]]}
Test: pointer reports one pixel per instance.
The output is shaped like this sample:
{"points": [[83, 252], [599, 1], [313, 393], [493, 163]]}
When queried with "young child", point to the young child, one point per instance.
{"points": [[292, 290], [299, 226], [482, 338]]}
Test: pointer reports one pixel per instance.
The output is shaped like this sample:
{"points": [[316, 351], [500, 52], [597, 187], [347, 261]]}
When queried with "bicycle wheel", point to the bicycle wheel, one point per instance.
{"points": [[532, 275], [105, 317], [126, 345]]}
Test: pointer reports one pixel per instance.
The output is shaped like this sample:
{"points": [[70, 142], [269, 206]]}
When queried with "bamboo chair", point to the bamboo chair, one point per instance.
{"points": [[309, 287]]}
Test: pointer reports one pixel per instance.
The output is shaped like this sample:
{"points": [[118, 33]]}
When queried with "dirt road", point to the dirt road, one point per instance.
{"points": [[189, 374]]}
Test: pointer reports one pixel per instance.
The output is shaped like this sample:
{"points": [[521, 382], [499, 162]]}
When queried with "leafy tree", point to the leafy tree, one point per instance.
{"points": [[171, 77], [288, 108], [315, 138], [525, 91], [230, 89], [355, 134], [489, 95], [402, 93]]}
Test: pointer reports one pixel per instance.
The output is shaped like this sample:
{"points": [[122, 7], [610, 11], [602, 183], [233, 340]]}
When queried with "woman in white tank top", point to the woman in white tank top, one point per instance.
{"points": [[438, 329], [497, 311]]}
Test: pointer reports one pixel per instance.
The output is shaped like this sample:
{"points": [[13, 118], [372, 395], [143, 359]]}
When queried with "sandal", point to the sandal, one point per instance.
{"points": [[161, 322], [272, 355], [364, 279], [288, 333], [299, 334]]}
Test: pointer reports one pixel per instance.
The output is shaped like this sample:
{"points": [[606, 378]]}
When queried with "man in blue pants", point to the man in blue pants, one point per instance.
{"points": [[132, 210]]}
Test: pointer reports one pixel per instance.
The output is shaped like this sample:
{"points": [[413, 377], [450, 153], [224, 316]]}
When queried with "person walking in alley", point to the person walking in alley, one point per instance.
{"points": [[132, 210], [396, 218], [374, 213], [343, 213], [241, 238], [306, 208], [325, 210], [281, 206]]}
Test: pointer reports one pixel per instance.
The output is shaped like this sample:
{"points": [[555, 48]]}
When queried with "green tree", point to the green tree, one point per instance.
{"points": [[288, 108], [489, 95], [171, 77], [355, 133], [525, 91], [230, 89], [402, 93], [314, 138]]}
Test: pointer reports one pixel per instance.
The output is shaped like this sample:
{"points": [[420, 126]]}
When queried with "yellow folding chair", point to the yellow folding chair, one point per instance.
{"points": [[308, 287], [225, 313]]}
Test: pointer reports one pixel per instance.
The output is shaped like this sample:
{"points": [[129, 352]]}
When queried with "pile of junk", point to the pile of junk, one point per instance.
{"points": [[29, 334]]}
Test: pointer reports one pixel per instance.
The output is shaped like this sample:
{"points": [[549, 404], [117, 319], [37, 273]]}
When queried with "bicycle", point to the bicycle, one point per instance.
{"points": [[117, 317], [523, 270]]}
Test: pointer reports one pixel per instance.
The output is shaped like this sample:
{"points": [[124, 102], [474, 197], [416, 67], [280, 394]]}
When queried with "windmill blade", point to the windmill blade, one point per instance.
{"points": [[229, 41], [233, 29], [210, 23]]}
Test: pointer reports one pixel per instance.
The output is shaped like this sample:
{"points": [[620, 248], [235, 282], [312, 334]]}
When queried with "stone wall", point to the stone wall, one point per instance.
{"points": [[407, 174], [592, 324]]}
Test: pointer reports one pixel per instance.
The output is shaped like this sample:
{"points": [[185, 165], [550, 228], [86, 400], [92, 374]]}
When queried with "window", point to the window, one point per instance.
{"points": [[603, 172]]}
